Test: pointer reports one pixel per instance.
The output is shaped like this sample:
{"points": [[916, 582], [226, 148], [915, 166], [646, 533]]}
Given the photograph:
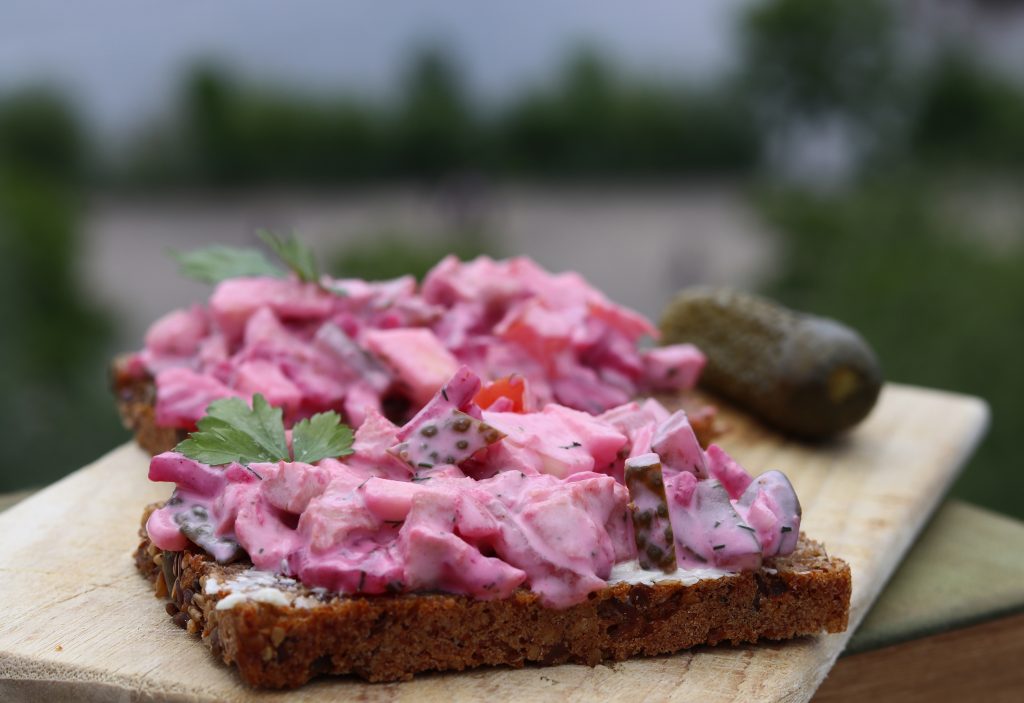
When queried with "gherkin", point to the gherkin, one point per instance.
{"points": [[805, 375]]}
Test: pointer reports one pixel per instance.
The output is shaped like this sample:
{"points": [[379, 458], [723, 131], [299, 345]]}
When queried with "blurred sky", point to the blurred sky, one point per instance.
{"points": [[121, 58]]}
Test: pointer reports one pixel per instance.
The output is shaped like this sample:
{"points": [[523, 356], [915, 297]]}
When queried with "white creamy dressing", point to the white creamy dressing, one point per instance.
{"points": [[266, 594], [261, 587], [630, 572], [273, 589]]}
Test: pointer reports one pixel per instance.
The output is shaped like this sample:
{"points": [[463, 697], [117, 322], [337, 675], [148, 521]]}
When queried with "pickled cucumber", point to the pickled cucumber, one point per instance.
{"points": [[808, 376]]}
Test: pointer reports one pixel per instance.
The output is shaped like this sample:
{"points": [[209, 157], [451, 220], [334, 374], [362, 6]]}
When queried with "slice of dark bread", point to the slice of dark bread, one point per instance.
{"points": [[136, 403], [391, 637]]}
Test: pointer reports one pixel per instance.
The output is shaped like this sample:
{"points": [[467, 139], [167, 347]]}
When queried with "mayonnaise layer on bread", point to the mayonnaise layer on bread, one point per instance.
{"points": [[479, 502], [631, 572], [267, 587]]}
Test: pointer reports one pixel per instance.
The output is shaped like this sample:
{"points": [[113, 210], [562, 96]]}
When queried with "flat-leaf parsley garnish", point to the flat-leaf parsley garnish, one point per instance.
{"points": [[231, 431], [321, 436], [218, 263], [295, 255]]}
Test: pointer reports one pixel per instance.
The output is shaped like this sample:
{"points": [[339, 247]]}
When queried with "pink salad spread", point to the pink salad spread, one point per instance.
{"points": [[369, 348], [462, 499]]}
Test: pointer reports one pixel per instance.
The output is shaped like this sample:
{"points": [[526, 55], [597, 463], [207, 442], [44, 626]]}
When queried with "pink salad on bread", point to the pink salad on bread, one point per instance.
{"points": [[485, 490], [385, 348]]}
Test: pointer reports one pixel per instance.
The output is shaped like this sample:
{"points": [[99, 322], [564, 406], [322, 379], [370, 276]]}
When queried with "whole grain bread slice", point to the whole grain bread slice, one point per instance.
{"points": [[285, 639], [136, 404]]}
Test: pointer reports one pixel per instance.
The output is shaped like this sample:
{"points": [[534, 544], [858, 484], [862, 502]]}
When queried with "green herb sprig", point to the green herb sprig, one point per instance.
{"points": [[231, 431], [296, 256], [217, 263]]}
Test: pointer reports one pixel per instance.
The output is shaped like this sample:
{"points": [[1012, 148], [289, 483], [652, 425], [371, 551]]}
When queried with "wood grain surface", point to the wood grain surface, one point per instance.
{"points": [[976, 663], [82, 625]]}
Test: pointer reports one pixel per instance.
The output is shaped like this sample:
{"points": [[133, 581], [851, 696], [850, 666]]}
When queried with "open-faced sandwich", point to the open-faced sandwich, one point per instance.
{"points": [[311, 343], [517, 502]]}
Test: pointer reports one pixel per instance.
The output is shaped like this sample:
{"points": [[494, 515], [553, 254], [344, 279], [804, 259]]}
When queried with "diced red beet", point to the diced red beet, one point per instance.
{"points": [[536, 329], [164, 531], [178, 333], [235, 300], [260, 523], [656, 410], [354, 362], [724, 468], [390, 500], [559, 441], [482, 279], [598, 439], [435, 557], [293, 485], [183, 396], [367, 569], [707, 528], [626, 321], [771, 505], [537, 513], [188, 473], [581, 388], [676, 444], [360, 401], [673, 368], [440, 560], [336, 516], [265, 336], [418, 359], [265, 377]]}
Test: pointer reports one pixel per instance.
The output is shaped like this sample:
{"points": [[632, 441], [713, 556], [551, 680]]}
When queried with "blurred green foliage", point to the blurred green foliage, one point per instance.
{"points": [[435, 129], [55, 341], [590, 122], [815, 57], [595, 123], [388, 254], [968, 116], [234, 137], [802, 61], [40, 137], [940, 308]]}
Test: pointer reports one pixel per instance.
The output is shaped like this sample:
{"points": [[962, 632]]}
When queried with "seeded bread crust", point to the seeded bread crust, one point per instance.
{"points": [[393, 637], [136, 403]]}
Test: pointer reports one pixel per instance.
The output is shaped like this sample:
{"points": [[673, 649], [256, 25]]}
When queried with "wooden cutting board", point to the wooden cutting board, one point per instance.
{"points": [[82, 625]]}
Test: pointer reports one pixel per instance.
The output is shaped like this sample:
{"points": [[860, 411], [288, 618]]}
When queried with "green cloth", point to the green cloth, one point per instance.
{"points": [[967, 567]]}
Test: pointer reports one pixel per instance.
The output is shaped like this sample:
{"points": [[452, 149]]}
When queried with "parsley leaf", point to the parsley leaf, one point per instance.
{"points": [[231, 431], [321, 436], [296, 255], [217, 263]]}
